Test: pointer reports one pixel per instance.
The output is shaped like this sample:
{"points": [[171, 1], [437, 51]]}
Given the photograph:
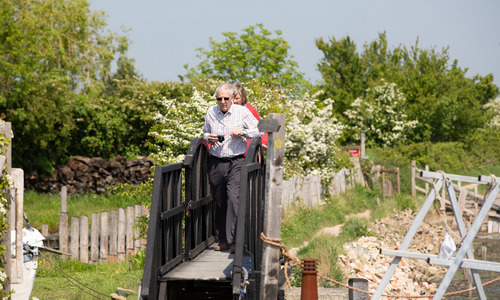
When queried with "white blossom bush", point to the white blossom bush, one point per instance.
{"points": [[494, 107], [312, 134], [381, 115], [178, 123]]}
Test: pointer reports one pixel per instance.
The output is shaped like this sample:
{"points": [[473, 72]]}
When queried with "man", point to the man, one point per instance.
{"points": [[227, 127]]}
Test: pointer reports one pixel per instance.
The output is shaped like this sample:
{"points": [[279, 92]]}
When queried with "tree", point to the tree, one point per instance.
{"points": [[255, 53], [51, 52], [447, 104]]}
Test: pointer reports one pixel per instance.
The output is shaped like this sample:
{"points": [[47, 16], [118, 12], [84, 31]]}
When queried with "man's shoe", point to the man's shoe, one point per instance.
{"points": [[233, 248], [222, 246]]}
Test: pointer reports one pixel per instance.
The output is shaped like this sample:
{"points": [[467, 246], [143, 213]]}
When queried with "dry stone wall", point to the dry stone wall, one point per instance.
{"points": [[82, 174]]}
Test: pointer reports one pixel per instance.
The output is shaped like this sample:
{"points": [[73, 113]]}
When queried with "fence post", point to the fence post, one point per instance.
{"points": [[113, 236], [75, 241], [121, 234], [426, 183], [137, 241], [64, 198], [17, 264], [103, 250], [309, 289], [413, 181], [130, 231], [84, 239], [398, 181], [360, 284], [272, 209], [94, 237]]}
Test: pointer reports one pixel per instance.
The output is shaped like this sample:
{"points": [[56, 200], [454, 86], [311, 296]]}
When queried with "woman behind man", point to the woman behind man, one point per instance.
{"points": [[240, 98]]}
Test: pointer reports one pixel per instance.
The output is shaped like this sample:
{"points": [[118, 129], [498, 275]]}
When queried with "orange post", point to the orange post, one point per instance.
{"points": [[309, 290]]}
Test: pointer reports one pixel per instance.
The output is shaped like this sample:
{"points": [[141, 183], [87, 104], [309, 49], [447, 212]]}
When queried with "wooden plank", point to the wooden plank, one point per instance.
{"points": [[64, 198], [121, 234], [272, 210], [208, 265], [45, 229], [63, 232], [137, 241], [75, 240], [94, 237], [130, 231], [103, 241], [113, 236], [17, 265], [84, 239]]}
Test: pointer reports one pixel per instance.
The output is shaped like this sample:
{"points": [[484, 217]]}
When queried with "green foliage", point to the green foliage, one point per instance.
{"points": [[406, 201], [355, 228], [51, 51], [4, 193], [255, 53], [447, 105]]}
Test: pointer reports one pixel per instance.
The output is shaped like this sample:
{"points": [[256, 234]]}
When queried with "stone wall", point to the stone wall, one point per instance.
{"points": [[82, 174]]}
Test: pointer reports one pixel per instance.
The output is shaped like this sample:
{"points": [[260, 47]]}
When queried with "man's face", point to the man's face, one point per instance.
{"points": [[224, 99]]}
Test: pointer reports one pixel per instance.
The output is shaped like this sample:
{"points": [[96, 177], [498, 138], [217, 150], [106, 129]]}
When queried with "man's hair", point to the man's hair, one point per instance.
{"points": [[238, 89], [224, 86]]}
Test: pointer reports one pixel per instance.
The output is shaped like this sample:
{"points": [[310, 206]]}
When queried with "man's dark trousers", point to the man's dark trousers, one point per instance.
{"points": [[224, 178]]}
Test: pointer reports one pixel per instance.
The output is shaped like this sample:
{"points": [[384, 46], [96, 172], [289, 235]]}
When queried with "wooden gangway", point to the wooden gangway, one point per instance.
{"points": [[180, 260]]}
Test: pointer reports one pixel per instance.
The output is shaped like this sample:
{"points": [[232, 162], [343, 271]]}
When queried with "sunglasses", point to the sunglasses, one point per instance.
{"points": [[220, 98]]}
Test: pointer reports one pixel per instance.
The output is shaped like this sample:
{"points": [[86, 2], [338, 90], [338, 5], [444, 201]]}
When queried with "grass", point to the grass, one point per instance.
{"points": [[303, 223], [102, 277], [45, 208]]}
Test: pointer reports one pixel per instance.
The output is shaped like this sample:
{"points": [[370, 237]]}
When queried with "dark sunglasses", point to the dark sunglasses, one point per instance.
{"points": [[220, 98]]}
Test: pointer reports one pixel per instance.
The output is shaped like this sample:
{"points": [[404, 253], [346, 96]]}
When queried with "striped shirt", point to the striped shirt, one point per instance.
{"points": [[219, 123]]}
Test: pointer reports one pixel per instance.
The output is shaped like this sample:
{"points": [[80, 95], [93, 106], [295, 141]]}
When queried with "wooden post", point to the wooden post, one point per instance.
{"points": [[130, 231], [398, 181], [94, 237], [75, 241], [137, 242], [272, 209], [383, 180], [426, 183], [63, 233], [360, 284], [6, 130], [84, 239], [413, 181], [362, 146], [113, 236], [103, 241], [17, 264], [121, 234], [64, 199], [145, 212], [45, 229]]}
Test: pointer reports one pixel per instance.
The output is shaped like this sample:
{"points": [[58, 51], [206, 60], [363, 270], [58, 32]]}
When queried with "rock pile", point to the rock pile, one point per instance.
{"points": [[83, 174], [412, 276]]}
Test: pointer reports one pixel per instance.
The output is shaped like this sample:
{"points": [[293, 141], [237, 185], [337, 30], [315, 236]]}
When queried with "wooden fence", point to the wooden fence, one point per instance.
{"points": [[111, 236], [469, 200], [308, 191]]}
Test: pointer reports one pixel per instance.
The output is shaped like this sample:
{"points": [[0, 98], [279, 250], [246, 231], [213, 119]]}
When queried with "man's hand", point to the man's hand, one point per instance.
{"points": [[212, 138], [236, 132]]}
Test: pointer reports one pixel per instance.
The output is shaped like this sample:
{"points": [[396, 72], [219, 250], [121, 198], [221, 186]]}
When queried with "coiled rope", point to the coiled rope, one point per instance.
{"points": [[296, 261]]}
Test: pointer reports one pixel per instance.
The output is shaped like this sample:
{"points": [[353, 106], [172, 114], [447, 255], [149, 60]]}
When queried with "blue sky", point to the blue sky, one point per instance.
{"points": [[165, 34]]}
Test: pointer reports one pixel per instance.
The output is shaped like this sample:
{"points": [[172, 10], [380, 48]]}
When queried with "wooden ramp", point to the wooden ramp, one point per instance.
{"points": [[208, 265], [209, 271]]}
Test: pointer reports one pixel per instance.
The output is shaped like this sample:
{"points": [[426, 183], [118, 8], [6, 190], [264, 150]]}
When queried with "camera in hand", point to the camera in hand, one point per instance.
{"points": [[221, 138]]}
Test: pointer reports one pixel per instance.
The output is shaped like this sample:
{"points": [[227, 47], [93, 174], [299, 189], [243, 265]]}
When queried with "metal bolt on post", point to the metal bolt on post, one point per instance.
{"points": [[309, 290]]}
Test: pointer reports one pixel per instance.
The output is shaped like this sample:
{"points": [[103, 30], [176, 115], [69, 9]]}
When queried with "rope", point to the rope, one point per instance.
{"points": [[73, 281], [289, 257]]}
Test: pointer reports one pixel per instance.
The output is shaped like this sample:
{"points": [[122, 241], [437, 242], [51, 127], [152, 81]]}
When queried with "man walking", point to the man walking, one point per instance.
{"points": [[227, 127]]}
